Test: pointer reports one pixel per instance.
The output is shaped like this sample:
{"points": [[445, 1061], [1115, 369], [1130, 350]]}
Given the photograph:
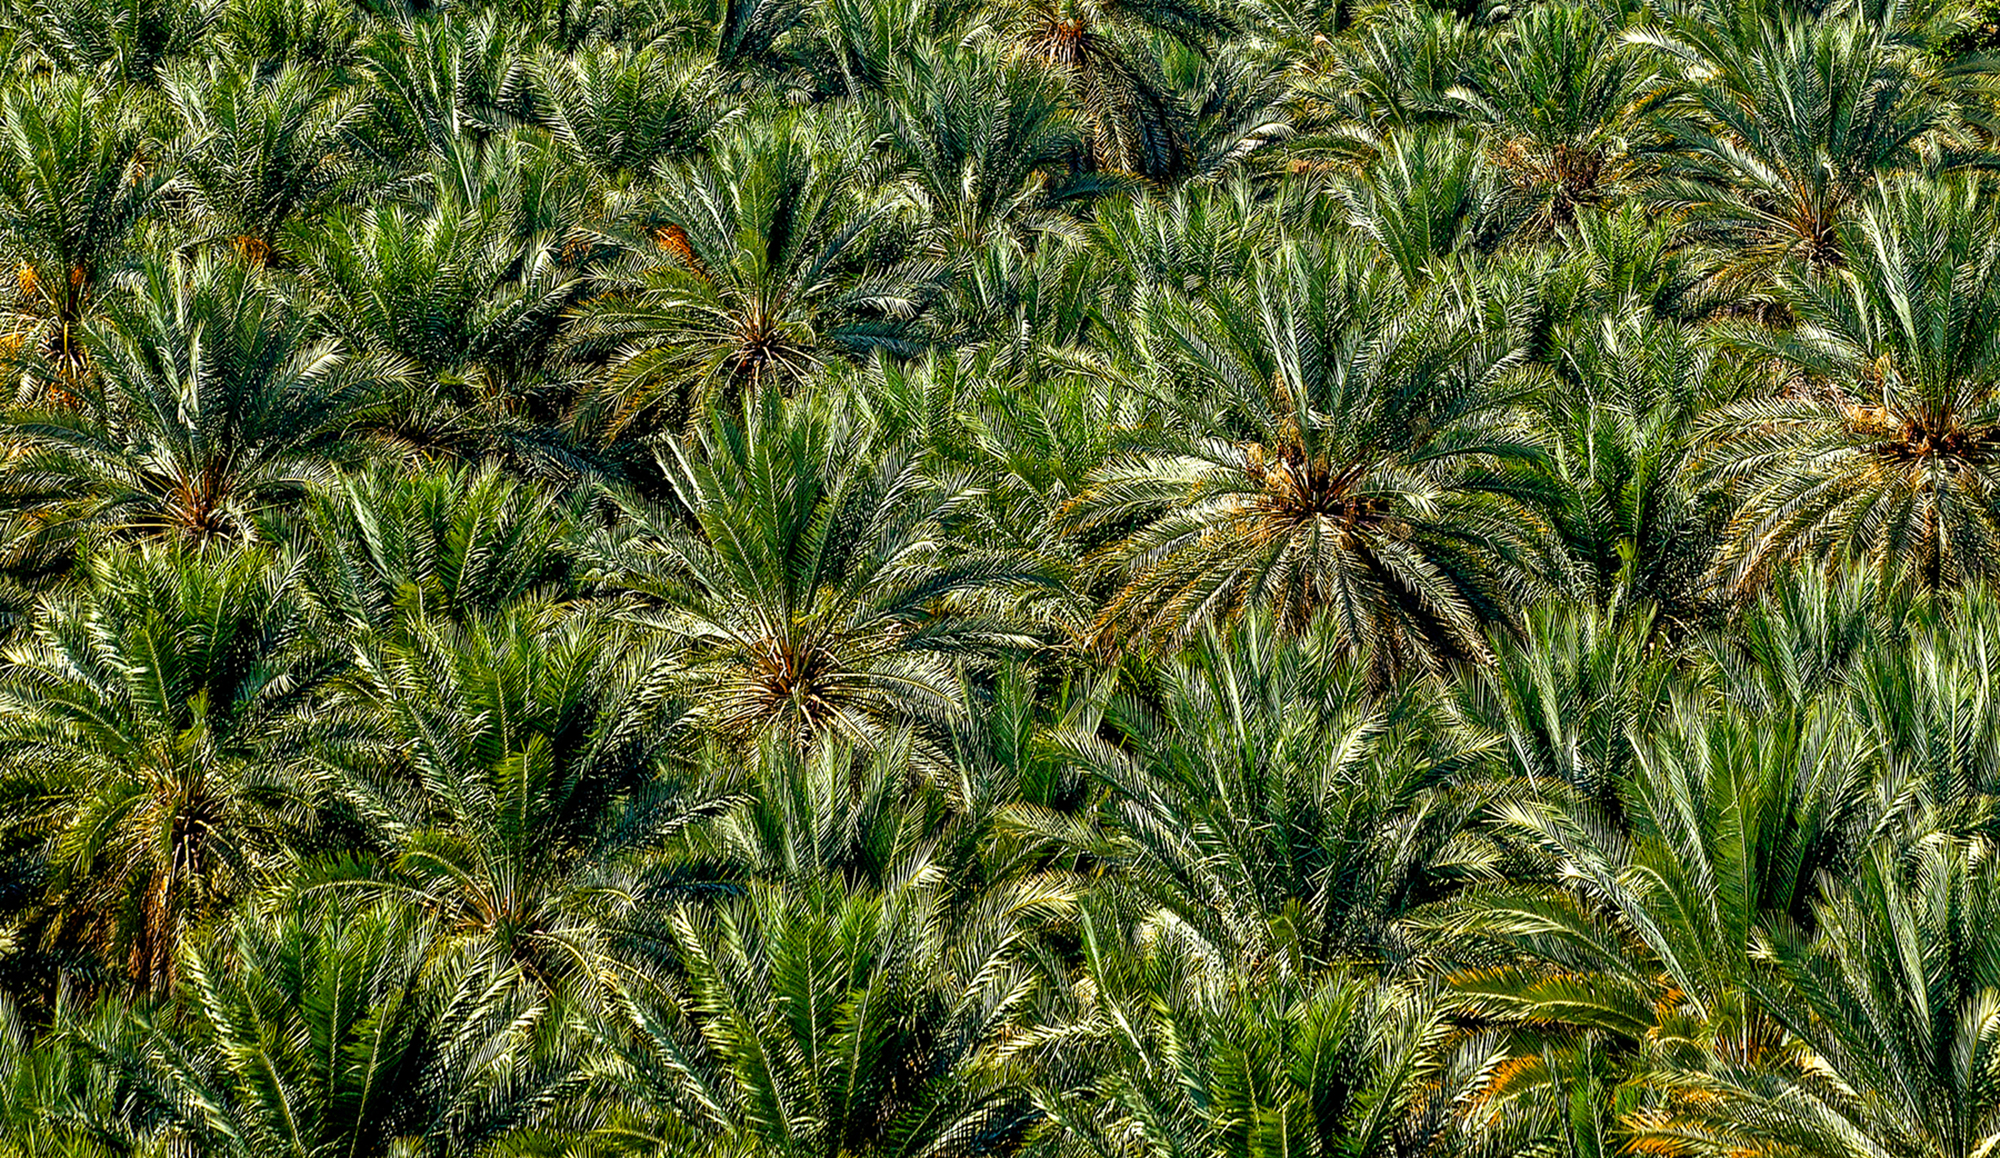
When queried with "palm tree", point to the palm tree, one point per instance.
{"points": [[753, 269], [445, 86], [449, 545], [322, 34], [1923, 698], [501, 767], [1782, 126], [818, 1021], [73, 188], [1107, 52], [1889, 1008], [1571, 697], [59, 1099], [211, 403], [450, 290], [810, 581], [328, 1030], [1259, 800], [985, 145], [1326, 447], [1407, 68], [622, 115], [1646, 934], [1178, 1054], [1880, 444], [1556, 102], [119, 41], [471, 306], [1427, 197], [257, 150], [155, 722], [1630, 519]]}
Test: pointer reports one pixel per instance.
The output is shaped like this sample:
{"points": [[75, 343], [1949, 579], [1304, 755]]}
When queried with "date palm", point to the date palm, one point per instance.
{"points": [[315, 33], [446, 86], [1260, 800], [819, 1021], [1182, 1054], [154, 723], [1571, 698], [1630, 518], [59, 1100], [1885, 440], [472, 306], [985, 145], [1426, 198], [1783, 125], [257, 150], [327, 1030], [212, 402], [74, 186], [451, 290], [1404, 69], [622, 116], [501, 766], [811, 580], [451, 544], [1890, 1009], [754, 268], [1556, 100], [120, 41], [1921, 696], [1107, 53], [1326, 447], [1730, 823]]}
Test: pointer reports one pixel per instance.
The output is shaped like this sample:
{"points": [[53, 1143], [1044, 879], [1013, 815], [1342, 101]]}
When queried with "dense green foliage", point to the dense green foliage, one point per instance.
{"points": [[1042, 578]]}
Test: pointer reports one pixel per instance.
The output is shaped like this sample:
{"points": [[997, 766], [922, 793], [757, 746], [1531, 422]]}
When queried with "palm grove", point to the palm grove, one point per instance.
{"points": [[1117, 578]]}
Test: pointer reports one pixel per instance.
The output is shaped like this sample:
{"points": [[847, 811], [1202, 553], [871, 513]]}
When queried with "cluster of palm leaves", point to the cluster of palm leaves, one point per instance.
{"points": [[1070, 578]]}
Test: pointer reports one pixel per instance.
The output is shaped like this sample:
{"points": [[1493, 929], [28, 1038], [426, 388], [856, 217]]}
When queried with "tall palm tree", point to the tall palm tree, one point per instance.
{"points": [[449, 545], [985, 145], [1557, 99], [211, 403], [60, 1098], [270, 33], [1327, 446], [1260, 800], [1783, 124], [470, 305], [446, 86], [1426, 197], [1629, 516], [156, 722], [1880, 444], [1923, 698], [120, 41], [810, 581], [73, 188], [451, 290], [1571, 697], [501, 767], [257, 150], [753, 268], [624, 115], [1174, 1054], [819, 1021], [1107, 53], [1890, 1010], [1647, 934], [1404, 69], [335, 1031]]}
